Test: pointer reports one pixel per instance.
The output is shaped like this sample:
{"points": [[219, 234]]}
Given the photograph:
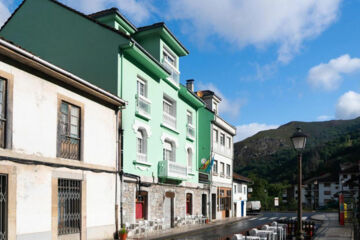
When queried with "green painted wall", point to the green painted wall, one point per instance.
{"points": [[93, 52], [205, 117], [67, 40], [152, 44]]}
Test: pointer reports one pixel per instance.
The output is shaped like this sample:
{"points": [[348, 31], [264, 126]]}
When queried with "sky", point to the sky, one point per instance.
{"points": [[271, 62]]}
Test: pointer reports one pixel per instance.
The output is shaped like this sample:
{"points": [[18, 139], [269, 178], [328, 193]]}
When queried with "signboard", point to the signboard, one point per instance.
{"points": [[276, 202]]}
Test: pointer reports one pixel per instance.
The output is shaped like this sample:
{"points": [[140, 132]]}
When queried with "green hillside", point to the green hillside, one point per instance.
{"points": [[269, 154]]}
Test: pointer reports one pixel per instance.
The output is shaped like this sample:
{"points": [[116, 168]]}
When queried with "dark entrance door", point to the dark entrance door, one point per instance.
{"points": [[203, 205], [3, 207], [213, 206]]}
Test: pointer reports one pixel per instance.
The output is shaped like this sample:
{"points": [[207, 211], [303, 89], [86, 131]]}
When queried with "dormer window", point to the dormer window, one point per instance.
{"points": [[215, 107], [169, 57]]}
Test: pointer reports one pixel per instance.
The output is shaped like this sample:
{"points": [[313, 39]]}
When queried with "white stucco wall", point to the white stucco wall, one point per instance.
{"points": [[239, 196], [35, 134]]}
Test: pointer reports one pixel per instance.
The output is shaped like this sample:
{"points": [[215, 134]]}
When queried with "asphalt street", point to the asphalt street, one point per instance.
{"points": [[223, 232]]}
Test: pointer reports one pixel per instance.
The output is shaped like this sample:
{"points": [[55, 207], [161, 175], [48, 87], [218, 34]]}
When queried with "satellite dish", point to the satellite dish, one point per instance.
{"points": [[203, 161]]}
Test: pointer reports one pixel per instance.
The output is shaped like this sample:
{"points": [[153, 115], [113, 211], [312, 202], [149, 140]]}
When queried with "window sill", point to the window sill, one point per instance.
{"points": [[215, 174], [222, 175], [142, 115], [191, 173], [192, 139], [142, 163], [169, 128]]}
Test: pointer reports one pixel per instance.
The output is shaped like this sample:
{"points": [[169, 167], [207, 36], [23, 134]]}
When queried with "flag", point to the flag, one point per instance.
{"points": [[205, 165], [208, 169]]}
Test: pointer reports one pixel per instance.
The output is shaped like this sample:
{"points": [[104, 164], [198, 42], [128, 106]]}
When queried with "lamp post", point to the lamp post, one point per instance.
{"points": [[298, 140]]}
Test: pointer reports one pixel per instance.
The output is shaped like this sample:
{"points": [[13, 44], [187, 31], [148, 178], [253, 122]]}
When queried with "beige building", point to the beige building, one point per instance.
{"points": [[58, 139]]}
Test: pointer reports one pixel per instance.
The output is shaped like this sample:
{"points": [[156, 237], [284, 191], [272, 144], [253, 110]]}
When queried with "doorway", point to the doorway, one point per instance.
{"points": [[169, 209], [235, 209], [203, 205], [213, 206]]}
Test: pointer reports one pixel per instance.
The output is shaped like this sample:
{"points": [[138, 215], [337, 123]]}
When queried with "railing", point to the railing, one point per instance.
{"points": [[190, 133], [143, 105], [174, 73], [70, 147], [172, 170], [169, 120], [140, 157]]}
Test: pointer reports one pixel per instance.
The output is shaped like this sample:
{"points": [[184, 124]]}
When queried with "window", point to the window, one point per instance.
{"points": [[240, 188], [327, 193], [69, 206], [141, 205], [222, 139], [189, 159], [216, 135], [2, 112], [222, 169], [169, 57], [141, 88], [235, 187], [169, 112], [244, 189], [69, 136], [229, 142], [215, 107], [189, 118], [3, 206], [188, 204], [228, 170], [168, 151], [141, 146], [215, 166]]}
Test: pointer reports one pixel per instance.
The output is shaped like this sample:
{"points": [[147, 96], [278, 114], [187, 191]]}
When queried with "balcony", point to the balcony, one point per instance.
{"points": [[169, 120], [143, 106], [190, 132], [172, 170], [174, 73]]}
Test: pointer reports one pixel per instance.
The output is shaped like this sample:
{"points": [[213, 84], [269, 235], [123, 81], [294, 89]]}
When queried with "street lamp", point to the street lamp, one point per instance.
{"points": [[298, 140]]}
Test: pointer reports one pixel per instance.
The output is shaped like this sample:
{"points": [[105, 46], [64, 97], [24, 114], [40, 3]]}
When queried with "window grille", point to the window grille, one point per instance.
{"points": [[3, 207], [69, 131], [2, 112], [69, 206]]}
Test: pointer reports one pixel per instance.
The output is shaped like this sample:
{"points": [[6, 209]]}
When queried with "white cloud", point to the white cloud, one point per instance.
{"points": [[324, 118], [328, 76], [230, 107], [348, 106], [137, 10], [4, 13], [248, 130], [257, 22]]}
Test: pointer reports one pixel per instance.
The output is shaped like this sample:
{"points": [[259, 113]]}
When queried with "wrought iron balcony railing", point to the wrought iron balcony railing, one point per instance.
{"points": [[70, 147]]}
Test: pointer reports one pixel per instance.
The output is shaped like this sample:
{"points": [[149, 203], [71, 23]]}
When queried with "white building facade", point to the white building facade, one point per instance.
{"points": [[58, 152], [240, 191], [222, 134]]}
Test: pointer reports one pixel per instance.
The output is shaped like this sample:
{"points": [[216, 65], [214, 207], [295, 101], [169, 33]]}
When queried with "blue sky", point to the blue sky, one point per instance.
{"points": [[271, 61]]}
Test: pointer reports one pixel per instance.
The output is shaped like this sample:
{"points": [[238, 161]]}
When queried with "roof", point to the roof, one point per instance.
{"points": [[19, 54], [207, 93], [326, 177], [240, 178], [161, 25], [99, 23], [112, 11]]}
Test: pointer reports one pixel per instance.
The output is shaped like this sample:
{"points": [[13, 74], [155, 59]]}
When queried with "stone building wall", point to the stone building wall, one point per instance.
{"points": [[156, 198]]}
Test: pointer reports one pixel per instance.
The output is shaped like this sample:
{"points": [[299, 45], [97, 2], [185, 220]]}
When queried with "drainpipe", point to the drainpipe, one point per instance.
{"points": [[118, 115]]}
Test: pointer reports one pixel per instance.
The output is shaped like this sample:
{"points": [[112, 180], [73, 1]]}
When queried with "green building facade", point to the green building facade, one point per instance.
{"points": [[166, 126]]}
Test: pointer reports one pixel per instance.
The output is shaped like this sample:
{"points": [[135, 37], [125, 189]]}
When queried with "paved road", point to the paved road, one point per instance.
{"points": [[224, 231]]}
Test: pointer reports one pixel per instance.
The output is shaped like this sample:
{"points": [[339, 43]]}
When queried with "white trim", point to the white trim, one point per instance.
{"points": [[165, 136], [137, 124]]}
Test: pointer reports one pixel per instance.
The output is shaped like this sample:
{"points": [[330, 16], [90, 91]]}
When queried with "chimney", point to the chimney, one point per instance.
{"points": [[190, 85]]}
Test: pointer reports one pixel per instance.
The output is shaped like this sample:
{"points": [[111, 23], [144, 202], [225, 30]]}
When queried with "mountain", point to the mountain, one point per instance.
{"points": [[269, 154]]}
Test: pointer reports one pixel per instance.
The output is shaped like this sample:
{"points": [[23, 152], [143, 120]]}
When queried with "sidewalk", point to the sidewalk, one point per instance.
{"points": [[331, 229], [172, 232]]}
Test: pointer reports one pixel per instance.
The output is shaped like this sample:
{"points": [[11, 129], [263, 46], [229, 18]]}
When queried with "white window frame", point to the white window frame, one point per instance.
{"points": [[228, 170], [215, 167], [222, 169], [189, 114], [229, 142], [169, 55], [189, 155], [143, 82], [216, 135], [169, 147], [222, 137]]}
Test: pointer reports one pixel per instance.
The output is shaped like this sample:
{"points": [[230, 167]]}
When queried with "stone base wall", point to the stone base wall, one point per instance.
{"points": [[156, 197]]}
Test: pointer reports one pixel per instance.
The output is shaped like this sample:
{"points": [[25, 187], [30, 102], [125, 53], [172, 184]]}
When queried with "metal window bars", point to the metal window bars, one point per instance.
{"points": [[3, 207], [69, 206]]}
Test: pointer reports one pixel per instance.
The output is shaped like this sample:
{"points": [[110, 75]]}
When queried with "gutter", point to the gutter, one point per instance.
{"points": [[62, 71]]}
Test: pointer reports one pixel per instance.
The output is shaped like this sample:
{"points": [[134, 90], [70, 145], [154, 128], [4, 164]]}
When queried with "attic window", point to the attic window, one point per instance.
{"points": [[169, 57]]}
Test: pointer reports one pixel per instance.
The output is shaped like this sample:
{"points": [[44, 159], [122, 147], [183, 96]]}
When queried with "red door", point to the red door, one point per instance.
{"points": [[139, 210]]}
